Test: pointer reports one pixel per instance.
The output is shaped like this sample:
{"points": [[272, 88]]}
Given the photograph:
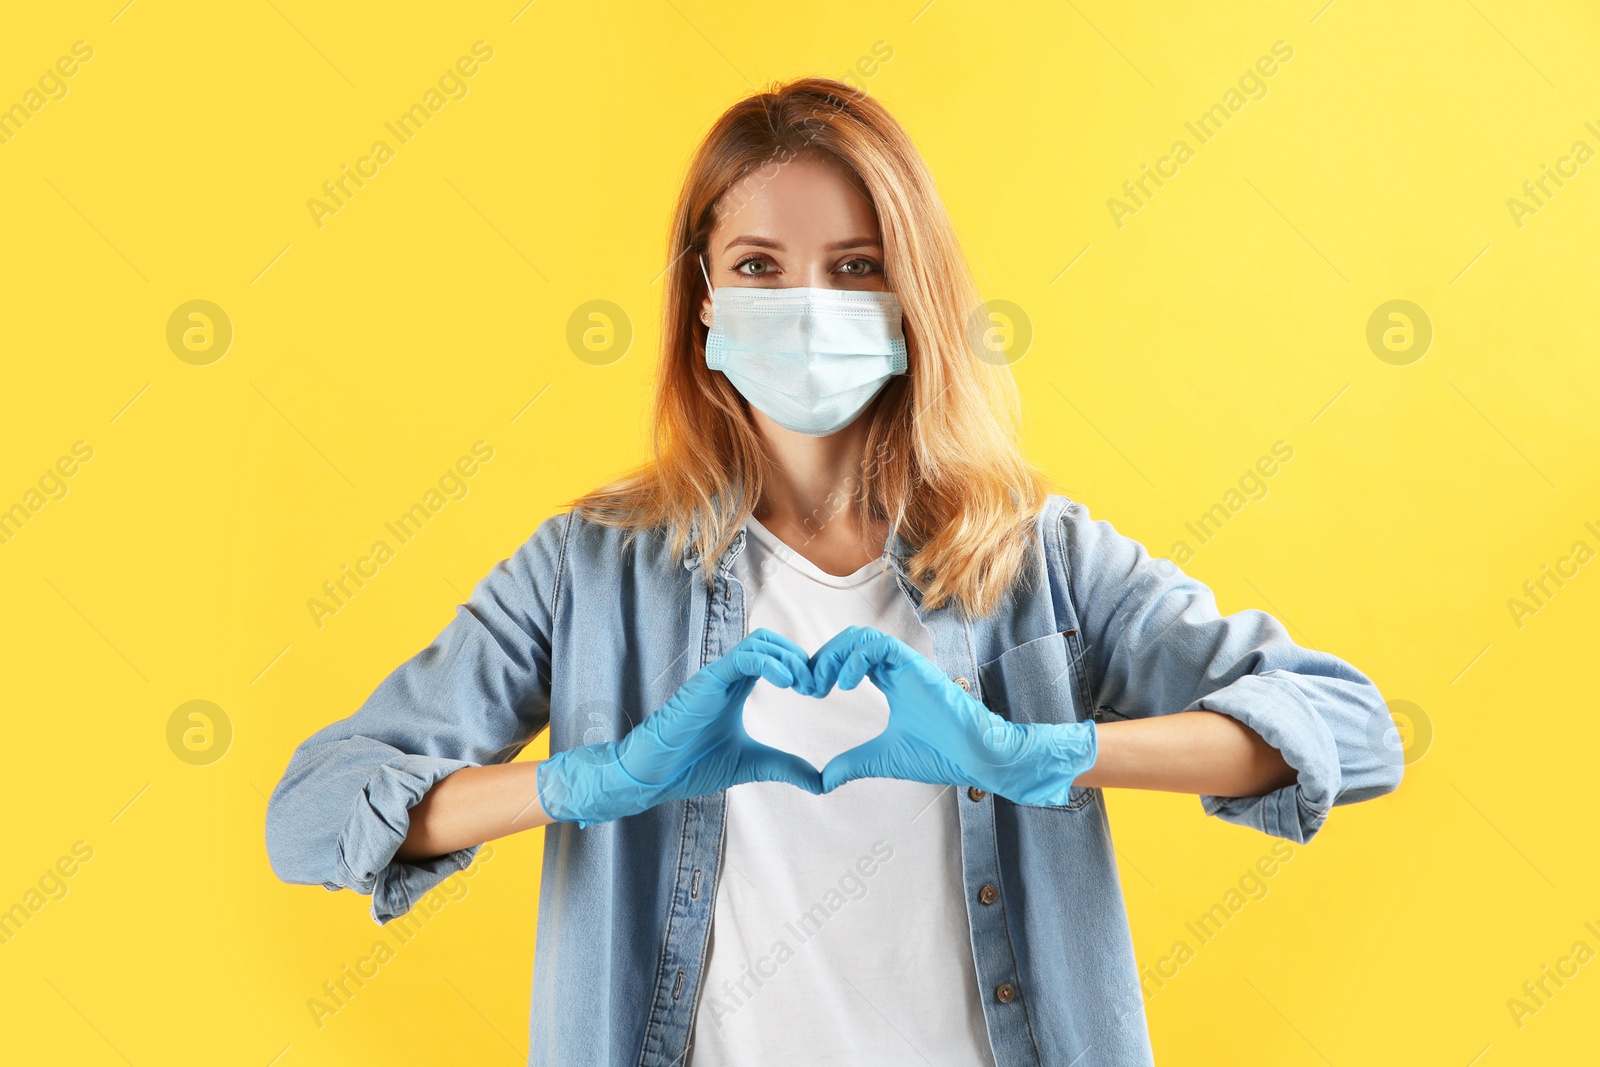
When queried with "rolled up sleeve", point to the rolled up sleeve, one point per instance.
{"points": [[476, 695], [1155, 644]]}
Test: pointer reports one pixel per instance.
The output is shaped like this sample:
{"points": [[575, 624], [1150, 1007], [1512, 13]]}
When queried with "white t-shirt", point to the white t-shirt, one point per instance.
{"points": [[840, 932]]}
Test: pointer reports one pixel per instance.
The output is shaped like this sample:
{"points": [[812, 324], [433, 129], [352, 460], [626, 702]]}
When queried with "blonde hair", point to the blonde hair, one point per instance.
{"points": [[942, 459]]}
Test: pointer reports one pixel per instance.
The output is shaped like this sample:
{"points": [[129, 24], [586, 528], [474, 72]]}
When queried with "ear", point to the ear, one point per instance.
{"points": [[705, 311]]}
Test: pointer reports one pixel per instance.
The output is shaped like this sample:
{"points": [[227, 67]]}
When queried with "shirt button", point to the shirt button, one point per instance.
{"points": [[988, 894], [975, 793], [965, 687], [1005, 993]]}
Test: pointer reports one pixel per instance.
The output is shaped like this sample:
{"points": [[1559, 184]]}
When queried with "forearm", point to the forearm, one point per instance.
{"points": [[471, 806], [1187, 752]]}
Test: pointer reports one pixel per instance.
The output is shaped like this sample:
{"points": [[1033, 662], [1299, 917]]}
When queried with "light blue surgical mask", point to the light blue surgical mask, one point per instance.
{"points": [[810, 359]]}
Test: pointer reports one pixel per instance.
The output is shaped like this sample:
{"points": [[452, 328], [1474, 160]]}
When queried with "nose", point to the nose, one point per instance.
{"points": [[817, 276]]}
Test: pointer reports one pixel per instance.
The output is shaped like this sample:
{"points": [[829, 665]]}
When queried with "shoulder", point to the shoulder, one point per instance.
{"points": [[1056, 507], [1058, 519], [1092, 550], [1071, 520], [1100, 563], [567, 544]]}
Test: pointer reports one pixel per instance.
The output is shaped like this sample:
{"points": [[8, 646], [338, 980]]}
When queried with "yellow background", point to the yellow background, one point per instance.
{"points": [[430, 312]]}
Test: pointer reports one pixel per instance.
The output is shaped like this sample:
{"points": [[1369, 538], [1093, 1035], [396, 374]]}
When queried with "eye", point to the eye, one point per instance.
{"points": [[738, 268], [865, 266]]}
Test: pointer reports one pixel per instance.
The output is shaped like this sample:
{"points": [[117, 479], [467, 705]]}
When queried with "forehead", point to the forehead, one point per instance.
{"points": [[805, 201]]}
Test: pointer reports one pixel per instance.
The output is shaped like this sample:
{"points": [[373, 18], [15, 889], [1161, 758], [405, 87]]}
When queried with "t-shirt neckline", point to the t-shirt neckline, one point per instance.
{"points": [[794, 559]]}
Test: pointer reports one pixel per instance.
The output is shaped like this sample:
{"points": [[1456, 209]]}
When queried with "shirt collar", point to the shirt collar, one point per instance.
{"points": [[897, 549]]}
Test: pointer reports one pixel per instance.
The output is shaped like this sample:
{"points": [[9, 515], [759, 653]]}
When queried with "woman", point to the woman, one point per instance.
{"points": [[919, 870]]}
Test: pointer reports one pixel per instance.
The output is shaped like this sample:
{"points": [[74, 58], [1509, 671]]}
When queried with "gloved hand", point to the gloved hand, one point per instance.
{"points": [[937, 733], [692, 745]]}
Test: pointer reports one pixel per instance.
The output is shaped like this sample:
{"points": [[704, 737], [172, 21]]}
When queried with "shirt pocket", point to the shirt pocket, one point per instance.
{"points": [[1041, 681]]}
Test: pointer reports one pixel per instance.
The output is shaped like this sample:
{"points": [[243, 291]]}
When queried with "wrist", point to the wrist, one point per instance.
{"points": [[587, 784], [1075, 743], [550, 786], [1058, 753]]}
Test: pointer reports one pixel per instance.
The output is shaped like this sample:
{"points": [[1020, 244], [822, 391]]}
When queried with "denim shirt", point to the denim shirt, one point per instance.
{"points": [[577, 634]]}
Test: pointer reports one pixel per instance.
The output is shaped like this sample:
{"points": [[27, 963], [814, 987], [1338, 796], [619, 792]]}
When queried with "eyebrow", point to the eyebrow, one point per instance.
{"points": [[767, 242]]}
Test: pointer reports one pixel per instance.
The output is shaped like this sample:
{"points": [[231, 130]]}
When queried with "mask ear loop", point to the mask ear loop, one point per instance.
{"points": [[710, 289]]}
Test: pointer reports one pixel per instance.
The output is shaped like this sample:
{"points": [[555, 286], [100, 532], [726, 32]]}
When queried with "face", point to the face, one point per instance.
{"points": [[806, 226]]}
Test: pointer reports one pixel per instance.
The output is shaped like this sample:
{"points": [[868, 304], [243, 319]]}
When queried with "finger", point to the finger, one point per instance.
{"points": [[680, 721], [792, 656], [826, 660], [768, 764], [865, 760], [716, 691], [843, 637], [746, 662], [709, 694], [757, 663], [876, 651], [773, 637], [853, 669]]}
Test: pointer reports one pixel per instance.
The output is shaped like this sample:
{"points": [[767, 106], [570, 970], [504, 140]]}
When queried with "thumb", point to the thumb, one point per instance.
{"points": [[768, 764], [866, 760]]}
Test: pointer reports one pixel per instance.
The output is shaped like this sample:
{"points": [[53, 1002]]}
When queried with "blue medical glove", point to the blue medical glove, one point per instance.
{"points": [[939, 734], [692, 745]]}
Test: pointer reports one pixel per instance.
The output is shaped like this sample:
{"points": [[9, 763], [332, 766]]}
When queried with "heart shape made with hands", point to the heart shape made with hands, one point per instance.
{"points": [[937, 732], [790, 719], [816, 728], [697, 743]]}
